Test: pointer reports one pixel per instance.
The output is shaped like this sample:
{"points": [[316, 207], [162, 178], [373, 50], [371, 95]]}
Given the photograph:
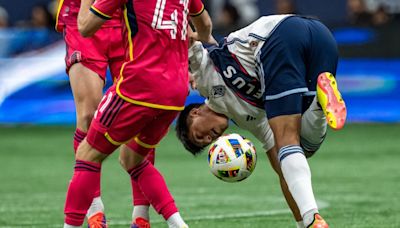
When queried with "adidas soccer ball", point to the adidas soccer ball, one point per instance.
{"points": [[232, 158]]}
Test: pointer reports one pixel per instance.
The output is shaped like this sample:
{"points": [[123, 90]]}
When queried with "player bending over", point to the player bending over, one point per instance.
{"points": [[133, 111], [264, 77]]}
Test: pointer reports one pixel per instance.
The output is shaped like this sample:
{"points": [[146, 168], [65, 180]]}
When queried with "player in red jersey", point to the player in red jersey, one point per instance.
{"points": [[87, 60], [139, 108]]}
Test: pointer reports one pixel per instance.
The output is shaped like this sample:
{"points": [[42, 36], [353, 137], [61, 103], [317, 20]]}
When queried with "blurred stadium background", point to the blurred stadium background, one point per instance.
{"points": [[37, 116]]}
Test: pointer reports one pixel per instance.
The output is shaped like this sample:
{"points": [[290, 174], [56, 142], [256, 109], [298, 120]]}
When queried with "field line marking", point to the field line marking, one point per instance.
{"points": [[321, 205]]}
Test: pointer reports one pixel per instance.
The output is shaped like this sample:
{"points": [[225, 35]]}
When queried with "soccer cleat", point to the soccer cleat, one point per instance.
{"points": [[140, 223], [97, 220], [318, 222], [331, 101]]}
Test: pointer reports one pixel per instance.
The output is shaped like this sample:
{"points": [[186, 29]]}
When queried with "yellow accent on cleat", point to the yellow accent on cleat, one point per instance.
{"points": [[318, 222], [331, 101]]}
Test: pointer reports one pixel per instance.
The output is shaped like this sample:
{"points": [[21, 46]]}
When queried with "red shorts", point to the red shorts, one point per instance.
{"points": [[104, 48], [118, 122]]}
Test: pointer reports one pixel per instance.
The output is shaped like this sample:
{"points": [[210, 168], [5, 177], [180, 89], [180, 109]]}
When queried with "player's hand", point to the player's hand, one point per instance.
{"points": [[194, 36], [209, 40], [192, 81]]}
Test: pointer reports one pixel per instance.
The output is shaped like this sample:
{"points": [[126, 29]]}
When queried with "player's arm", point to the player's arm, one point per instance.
{"points": [[92, 15], [202, 22], [88, 23]]}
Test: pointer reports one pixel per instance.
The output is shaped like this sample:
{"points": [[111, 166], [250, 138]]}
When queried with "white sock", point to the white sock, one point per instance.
{"points": [[96, 206], [140, 211], [176, 221], [308, 217], [300, 224], [70, 226], [297, 174], [313, 127]]}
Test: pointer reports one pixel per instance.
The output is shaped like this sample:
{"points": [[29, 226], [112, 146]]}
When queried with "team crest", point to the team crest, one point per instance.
{"points": [[218, 91], [76, 57]]}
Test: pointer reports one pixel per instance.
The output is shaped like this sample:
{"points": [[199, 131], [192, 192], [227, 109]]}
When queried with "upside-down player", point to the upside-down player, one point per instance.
{"points": [[264, 78], [87, 60], [139, 108]]}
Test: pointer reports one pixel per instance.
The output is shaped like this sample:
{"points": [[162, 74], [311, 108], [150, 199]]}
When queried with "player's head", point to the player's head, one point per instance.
{"points": [[198, 126]]}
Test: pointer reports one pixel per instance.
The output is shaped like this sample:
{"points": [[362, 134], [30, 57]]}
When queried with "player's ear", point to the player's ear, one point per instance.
{"points": [[194, 112]]}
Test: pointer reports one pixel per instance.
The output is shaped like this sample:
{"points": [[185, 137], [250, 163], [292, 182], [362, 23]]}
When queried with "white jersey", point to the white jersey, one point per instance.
{"points": [[228, 77], [223, 100]]}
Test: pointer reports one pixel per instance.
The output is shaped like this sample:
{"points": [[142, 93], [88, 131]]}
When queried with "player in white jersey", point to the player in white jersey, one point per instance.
{"points": [[264, 78]]}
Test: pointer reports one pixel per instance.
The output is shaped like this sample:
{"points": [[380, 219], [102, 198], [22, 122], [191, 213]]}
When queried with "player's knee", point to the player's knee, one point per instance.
{"points": [[87, 153], [85, 118], [310, 148]]}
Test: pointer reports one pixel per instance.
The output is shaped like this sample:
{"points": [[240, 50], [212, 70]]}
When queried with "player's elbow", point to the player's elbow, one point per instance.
{"points": [[84, 31], [83, 27]]}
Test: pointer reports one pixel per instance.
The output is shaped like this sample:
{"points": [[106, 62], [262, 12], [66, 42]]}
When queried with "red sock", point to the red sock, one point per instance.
{"points": [[154, 188], [138, 197], [78, 137], [81, 191]]}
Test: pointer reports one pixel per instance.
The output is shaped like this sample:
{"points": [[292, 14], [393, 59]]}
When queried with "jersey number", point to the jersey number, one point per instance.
{"points": [[172, 25]]}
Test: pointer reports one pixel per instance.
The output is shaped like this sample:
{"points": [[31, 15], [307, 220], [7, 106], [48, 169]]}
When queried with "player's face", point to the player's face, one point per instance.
{"points": [[206, 127]]}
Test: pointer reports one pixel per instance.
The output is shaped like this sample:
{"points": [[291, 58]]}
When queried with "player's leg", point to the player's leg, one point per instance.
{"points": [[116, 55], [86, 66], [274, 161], [86, 76], [83, 186], [147, 177], [87, 89], [293, 163], [92, 151], [313, 127], [328, 106], [284, 65], [140, 213]]}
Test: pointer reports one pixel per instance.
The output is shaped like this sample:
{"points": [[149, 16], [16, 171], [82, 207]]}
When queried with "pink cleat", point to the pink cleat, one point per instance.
{"points": [[318, 222], [140, 223], [97, 220], [331, 101]]}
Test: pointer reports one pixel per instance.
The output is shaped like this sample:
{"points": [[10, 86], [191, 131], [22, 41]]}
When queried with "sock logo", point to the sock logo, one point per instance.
{"points": [[250, 118]]}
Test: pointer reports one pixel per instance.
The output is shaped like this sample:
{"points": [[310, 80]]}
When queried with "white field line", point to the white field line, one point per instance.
{"points": [[321, 205]]}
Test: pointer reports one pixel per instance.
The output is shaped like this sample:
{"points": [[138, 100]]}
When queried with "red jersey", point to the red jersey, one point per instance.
{"points": [[67, 14], [156, 35]]}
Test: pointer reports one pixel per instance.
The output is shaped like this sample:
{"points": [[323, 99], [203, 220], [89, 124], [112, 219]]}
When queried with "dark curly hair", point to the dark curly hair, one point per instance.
{"points": [[182, 129]]}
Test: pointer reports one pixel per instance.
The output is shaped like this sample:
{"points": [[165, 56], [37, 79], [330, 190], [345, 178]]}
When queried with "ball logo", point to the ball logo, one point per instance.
{"points": [[222, 157]]}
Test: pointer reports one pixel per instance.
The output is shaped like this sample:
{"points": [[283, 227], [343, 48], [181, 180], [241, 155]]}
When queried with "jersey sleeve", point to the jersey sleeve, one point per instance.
{"points": [[196, 8], [264, 134], [105, 8], [201, 68]]}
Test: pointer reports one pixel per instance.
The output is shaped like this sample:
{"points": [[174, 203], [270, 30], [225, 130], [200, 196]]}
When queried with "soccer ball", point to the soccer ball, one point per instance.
{"points": [[232, 158]]}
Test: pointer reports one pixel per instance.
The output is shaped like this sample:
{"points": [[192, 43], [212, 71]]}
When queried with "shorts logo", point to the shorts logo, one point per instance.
{"points": [[218, 91], [75, 57]]}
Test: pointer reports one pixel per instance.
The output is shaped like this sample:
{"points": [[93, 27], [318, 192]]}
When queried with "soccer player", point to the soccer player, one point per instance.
{"points": [[264, 77], [86, 61], [138, 109]]}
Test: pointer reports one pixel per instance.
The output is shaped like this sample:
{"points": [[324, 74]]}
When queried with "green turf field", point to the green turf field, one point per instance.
{"points": [[356, 176]]}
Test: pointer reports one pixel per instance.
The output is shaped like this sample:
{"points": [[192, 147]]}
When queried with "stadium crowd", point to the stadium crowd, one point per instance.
{"points": [[228, 15]]}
